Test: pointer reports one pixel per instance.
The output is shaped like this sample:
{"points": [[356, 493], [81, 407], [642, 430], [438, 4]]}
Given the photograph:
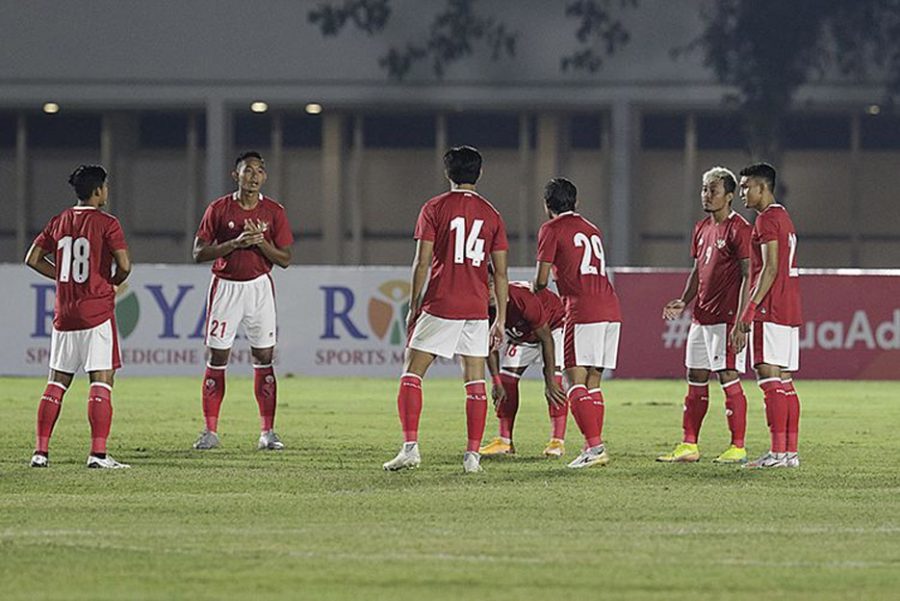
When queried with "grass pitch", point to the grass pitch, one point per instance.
{"points": [[321, 520]]}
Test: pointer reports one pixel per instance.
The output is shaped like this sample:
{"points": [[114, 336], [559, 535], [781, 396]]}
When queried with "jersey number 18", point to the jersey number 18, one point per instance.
{"points": [[74, 264]]}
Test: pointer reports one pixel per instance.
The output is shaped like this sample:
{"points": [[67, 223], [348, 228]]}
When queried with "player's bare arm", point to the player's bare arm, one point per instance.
{"points": [[552, 391], [123, 266], [39, 260], [276, 254], [674, 308], [541, 276], [498, 393], [766, 279], [205, 251], [501, 292], [421, 262]]}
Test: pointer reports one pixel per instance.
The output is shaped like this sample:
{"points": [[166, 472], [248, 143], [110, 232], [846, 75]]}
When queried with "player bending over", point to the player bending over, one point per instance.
{"points": [[456, 234], [534, 333], [572, 247], [772, 317], [77, 249], [719, 282]]}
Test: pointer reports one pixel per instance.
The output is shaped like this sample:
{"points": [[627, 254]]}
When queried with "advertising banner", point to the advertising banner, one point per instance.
{"points": [[339, 321]]}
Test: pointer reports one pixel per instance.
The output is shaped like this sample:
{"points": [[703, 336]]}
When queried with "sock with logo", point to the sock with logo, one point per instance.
{"points": [[476, 413], [736, 411], [559, 414], [507, 410], [265, 387], [793, 415], [776, 412], [584, 412], [213, 394], [409, 406], [599, 409], [48, 413], [100, 414], [696, 404]]}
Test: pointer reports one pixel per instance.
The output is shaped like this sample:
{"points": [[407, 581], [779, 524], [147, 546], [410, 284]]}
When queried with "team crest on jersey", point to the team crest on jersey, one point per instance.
{"points": [[231, 225], [720, 244], [210, 384]]}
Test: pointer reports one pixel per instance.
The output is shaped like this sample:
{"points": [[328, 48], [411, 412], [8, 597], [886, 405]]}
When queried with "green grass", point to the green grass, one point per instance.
{"points": [[321, 520]]}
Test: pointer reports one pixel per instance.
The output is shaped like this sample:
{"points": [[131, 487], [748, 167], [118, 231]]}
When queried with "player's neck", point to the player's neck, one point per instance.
{"points": [[765, 204], [459, 187], [721, 215], [247, 199], [88, 204]]}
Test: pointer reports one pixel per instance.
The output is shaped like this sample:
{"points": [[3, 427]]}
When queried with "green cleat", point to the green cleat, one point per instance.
{"points": [[732, 455], [685, 452]]}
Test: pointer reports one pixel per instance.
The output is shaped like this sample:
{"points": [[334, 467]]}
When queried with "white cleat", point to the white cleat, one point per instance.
{"points": [[590, 457], [408, 458], [472, 462], [208, 440], [792, 460], [768, 460], [38, 460], [269, 441], [105, 463]]}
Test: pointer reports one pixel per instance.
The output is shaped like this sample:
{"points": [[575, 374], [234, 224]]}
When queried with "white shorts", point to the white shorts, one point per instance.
{"points": [[250, 305], [775, 344], [94, 349], [448, 337], [515, 356], [708, 348], [591, 344]]}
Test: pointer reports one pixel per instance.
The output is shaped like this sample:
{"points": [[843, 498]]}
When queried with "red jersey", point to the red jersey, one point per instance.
{"points": [[465, 230], [575, 248], [781, 304], [224, 220], [527, 312], [718, 249], [83, 239]]}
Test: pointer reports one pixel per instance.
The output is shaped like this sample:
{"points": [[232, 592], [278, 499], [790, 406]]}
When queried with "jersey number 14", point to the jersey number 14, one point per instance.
{"points": [[467, 246], [74, 262]]}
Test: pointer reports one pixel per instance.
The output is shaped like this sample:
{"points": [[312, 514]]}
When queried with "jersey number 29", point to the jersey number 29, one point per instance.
{"points": [[593, 246], [467, 246], [74, 264]]}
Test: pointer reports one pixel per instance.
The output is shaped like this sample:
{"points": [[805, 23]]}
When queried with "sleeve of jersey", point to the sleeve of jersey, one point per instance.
{"points": [[207, 229], [694, 241], [767, 228], [282, 236], [45, 239], [425, 225], [500, 240], [546, 245], [742, 237], [115, 237]]}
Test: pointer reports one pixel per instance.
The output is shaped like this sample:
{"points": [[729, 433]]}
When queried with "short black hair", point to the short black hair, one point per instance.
{"points": [[463, 164], [560, 195], [248, 154], [87, 178], [763, 171]]}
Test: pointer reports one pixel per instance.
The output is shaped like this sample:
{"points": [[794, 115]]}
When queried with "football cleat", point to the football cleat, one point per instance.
{"points": [[792, 460], [408, 458], [38, 460], [684, 452], [732, 455], [498, 447], [105, 463], [555, 448], [208, 440], [593, 456], [269, 441], [770, 459], [472, 462]]}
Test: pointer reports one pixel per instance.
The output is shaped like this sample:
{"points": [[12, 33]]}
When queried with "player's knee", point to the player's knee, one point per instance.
{"points": [[727, 376], [698, 376], [262, 356], [219, 357]]}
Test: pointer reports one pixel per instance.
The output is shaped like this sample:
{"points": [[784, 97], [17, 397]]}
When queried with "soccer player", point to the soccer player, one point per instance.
{"points": [[719, 281], [534, 334], [456, 234], [572, 247], [77, 249], [772, 317], [244, 233]]}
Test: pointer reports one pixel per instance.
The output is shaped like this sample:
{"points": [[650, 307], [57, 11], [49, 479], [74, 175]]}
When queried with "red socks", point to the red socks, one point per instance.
{"points": [[776, 412], [696, 403], [558, 415], [793, 415], [99, 415], [409, 406], [213, 393], [265, 388], [736, 411], [48, 412], [476, 413], [599, 409], [506, 411], [585, 414]]}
